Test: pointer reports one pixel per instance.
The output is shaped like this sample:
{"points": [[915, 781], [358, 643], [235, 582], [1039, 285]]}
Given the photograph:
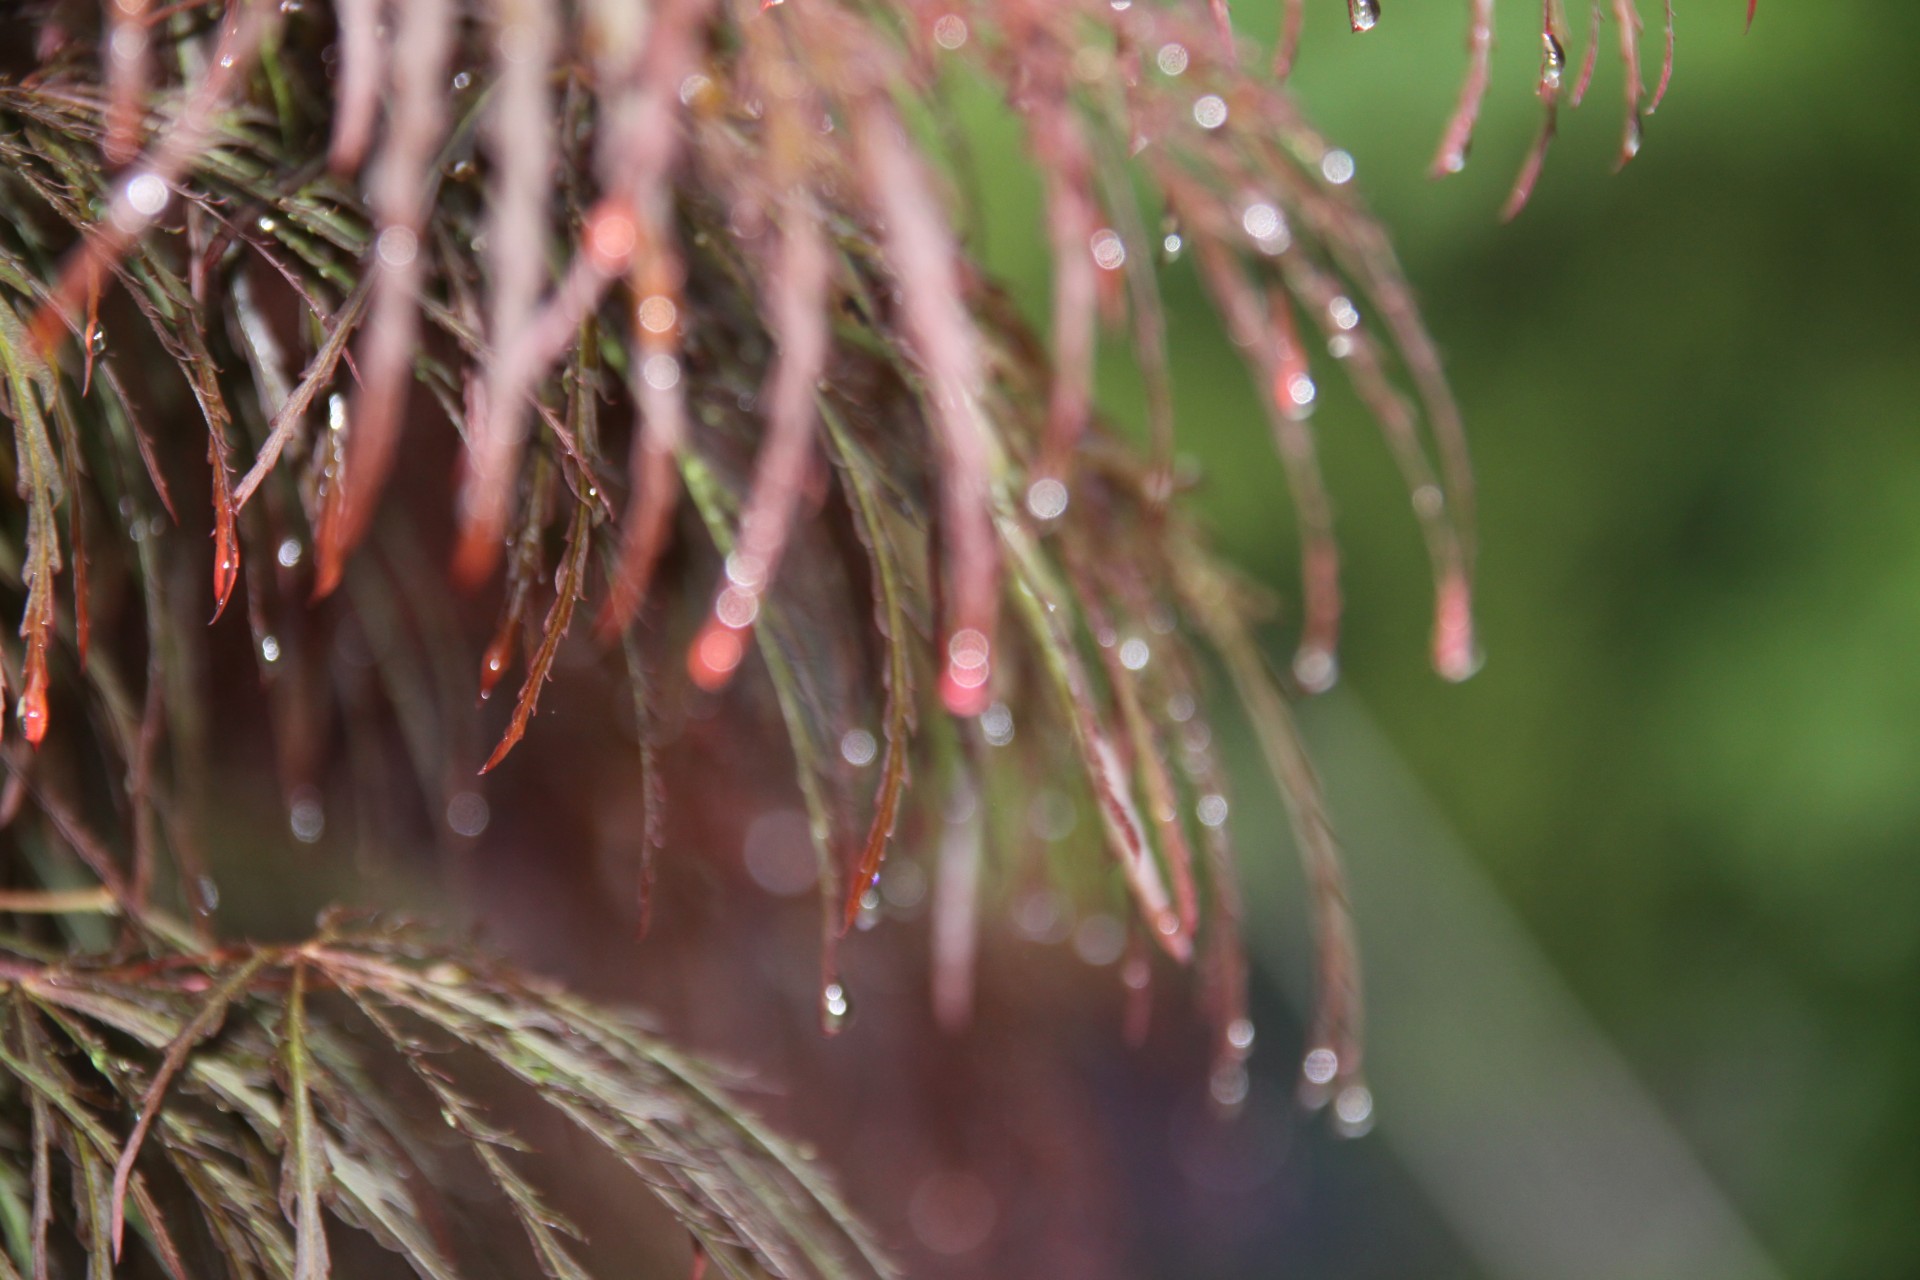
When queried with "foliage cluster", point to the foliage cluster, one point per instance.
{"points": [[528, 242]]}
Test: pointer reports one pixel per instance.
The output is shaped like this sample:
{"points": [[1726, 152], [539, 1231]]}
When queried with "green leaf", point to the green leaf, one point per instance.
{"points": [[304, 1171]]}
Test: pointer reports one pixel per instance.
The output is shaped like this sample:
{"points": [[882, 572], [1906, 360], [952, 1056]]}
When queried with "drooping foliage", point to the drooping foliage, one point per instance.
{"points": [[261, 1082], [674, 301]]}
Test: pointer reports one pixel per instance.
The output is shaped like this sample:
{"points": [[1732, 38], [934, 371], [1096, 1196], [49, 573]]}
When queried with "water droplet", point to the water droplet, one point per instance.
{"points": [[950, 31], [1043, 915], [1180, 708], [292, 6], [305, 816], [662, 372], [1337, 166], [289, 553], [1171, 246], [1364, 14], [737, 607], [1553, 61], [968, 670], [270, 648], [996, 724], [857, 747], [715, 654], [1263, 222], [468, 814], [835, 1008], [611, 236], [1228, 1085], [658, 314], [462, 80], [1109, 250], [1134, 654], [493, 663], [147, 194], [1320, 1066], [1051, 815], [778, 853], [1630, 145], [1172, 58], [1315, 668], [1342, 312], [1210, 112], [1099, 939], [207, 894], [1047, 498], [1240, 1034], [397, 246], [1353, 1107], [32, 708], [1211, 810], [904, 887]]}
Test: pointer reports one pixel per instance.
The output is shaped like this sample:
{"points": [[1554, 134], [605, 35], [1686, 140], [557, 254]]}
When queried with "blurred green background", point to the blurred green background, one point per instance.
{"points": [[1689, 775]]}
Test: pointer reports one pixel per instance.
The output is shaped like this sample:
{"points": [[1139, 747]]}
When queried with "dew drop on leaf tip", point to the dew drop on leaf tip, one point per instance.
{"points": [[1353, 1111], [835, 1008], [1320, 1066]]}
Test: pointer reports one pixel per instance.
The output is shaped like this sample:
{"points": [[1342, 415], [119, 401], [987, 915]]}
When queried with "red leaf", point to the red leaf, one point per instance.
{"points": [[33, 697], [226, 545], [573, 569]]}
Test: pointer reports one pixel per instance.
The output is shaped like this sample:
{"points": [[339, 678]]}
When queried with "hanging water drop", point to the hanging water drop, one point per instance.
{"points": [[1047, 498], [1365, 14], [32, 709], [1553, 61], [1353, 1110], [835, 1009], [1229, 1086], [1320, 1066], [305, 816], [1630, 143], [964, 686], [1316, 668]]}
